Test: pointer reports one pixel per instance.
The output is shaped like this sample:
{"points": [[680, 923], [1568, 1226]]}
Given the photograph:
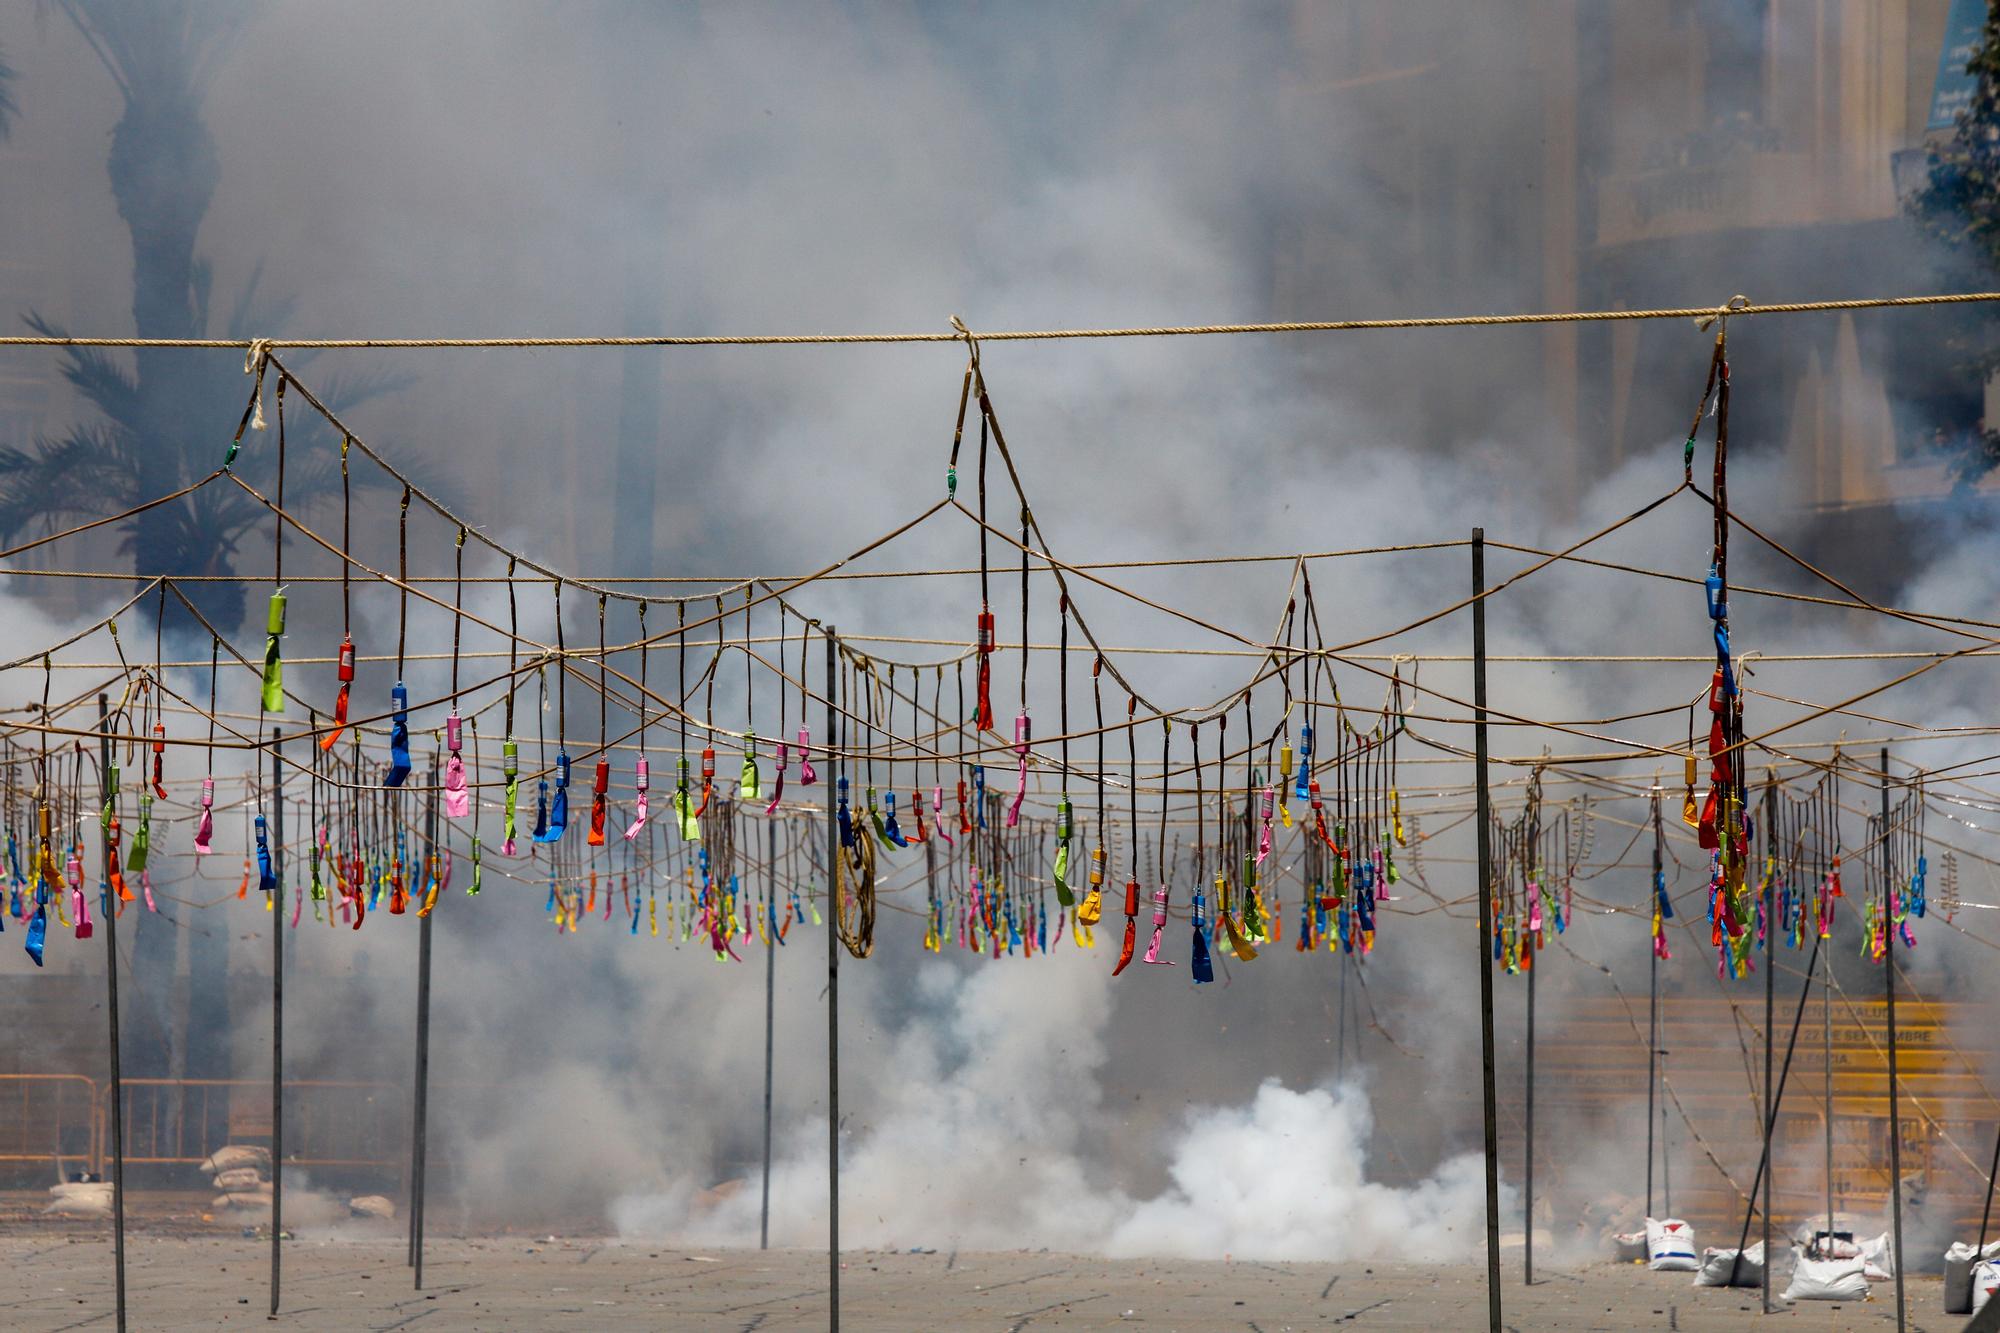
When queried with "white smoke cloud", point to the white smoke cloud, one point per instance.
{"points": [[985, 1124]]}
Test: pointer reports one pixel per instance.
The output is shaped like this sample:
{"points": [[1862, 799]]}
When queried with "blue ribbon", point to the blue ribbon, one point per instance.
{"points": [[267, 878], [38, 933], [890, 829], [549, 826], [1201, 966], [399, 738]]}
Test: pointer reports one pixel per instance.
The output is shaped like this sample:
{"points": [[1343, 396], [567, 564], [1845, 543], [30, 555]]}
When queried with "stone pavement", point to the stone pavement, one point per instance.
{"points": [[61, 1280]]}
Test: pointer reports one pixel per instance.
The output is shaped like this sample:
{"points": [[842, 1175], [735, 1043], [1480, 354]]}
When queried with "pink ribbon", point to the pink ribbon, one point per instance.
{"points": [[298, 904], [1159, 926], [146, 885], [204, 828], [937, 809], [457, 800], [643, 778], [77, 902], [1269, 800], [1022, 729], [778, 792]]}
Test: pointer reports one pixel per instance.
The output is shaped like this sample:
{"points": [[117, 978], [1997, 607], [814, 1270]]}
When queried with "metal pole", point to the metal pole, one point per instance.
{"points": [[420, 1129], [1986, 1213], [770, 990], [1826, 1075], [109, 913], [1340, 1026], [277, 906], [1483, 892], [1771, 1101], [1528, 1125], [1895, 1111], [1652, 1015], [1666, 1149], [832, 989], [1770, 995]]}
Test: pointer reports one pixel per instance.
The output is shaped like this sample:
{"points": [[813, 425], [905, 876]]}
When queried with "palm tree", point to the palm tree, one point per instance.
{"points": [[164, 416], [163, 412]]}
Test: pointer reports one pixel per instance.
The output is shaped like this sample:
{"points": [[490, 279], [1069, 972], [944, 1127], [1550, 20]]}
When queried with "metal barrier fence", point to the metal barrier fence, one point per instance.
{"points": [[49, 1116], [327, 1123]]}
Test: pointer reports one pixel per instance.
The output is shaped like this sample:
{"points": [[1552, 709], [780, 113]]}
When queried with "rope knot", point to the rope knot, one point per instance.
{"points": [[1733, 305], [971, 342], [255, 357]]}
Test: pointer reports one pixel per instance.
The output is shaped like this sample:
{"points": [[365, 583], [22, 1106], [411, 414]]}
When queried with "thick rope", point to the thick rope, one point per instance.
{"points": [[1703, 315]]}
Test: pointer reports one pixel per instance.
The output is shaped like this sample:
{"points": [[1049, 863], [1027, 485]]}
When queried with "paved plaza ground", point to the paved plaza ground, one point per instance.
{"points": [[58, 1277]]}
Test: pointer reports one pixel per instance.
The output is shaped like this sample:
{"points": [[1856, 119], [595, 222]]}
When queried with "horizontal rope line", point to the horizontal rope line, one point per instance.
{"points": [[1028, 335], [738, 580], [587, 655]]}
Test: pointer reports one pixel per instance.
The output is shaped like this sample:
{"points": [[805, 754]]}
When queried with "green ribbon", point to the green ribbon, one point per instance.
{"points": [[274, 665], [142, 841]]}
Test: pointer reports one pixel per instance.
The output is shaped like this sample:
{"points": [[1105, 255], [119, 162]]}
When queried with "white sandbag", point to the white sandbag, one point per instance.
{"points": [[79, 1199], [1629, 1246], [371, 1205], [239, 1178], [1959, 1259], [1716, 1266], [70, 1188], [235, 1155], [1878, 1259], [1827, 1280], [1670, 1246], [1985, 1281]]}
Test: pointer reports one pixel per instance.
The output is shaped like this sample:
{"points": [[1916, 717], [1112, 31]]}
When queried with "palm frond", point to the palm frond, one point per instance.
{"points": [[106, 385], [59, 480], [256, 315], [10, 110]]}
